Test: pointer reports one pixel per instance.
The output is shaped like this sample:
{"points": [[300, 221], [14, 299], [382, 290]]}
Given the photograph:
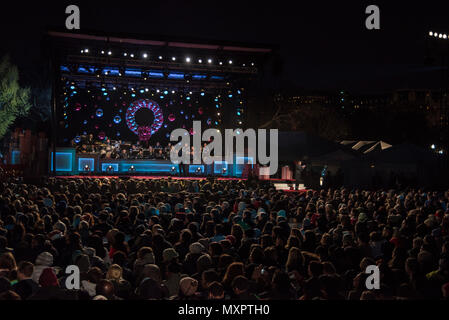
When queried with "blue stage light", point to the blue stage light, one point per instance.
{"points": [[117, 119]]}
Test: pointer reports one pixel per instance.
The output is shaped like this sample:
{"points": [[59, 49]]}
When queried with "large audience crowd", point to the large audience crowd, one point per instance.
{"points": [[213, 239]]}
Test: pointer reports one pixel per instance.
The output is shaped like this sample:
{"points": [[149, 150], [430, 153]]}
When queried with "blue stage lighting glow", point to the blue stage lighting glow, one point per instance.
{"points": [[175, 76], [82, 162], [63, 161], [117, 119], [156, 74]]}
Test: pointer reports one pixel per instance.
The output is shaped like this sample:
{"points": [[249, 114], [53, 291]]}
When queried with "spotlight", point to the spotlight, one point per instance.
{"points": [[188, 59], [200, 61], [230, 61], [432, 146], [132, 169], [109, 53], [160, 57], [132, 55], [444, 36], [102, 51], [430, 33], [125, 54], [86, 168], [86, 50], [440, 36], [252, 64], [220, 63], [145, 55], [173, 58], [209, 60]]}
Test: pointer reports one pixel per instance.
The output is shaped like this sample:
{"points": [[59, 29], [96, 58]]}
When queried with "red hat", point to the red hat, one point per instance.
{"points": [[48, 278]]}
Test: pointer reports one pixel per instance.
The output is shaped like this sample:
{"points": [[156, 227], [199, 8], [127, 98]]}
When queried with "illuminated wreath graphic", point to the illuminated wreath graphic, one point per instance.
{"points": [[144, 132]]}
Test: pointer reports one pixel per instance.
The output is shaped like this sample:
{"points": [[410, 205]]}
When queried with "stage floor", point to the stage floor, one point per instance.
{"points": [[140, 177], [160, 177]]}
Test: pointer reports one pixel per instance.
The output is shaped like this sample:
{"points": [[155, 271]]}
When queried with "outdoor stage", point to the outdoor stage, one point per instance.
{"points": [[68, 162]]}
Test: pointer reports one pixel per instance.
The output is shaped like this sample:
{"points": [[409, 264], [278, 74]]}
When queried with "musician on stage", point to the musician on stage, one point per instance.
{"points": [[184, 167]]}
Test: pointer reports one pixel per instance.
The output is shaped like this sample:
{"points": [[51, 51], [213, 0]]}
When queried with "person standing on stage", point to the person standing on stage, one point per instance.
{"points": [[184, 167]]}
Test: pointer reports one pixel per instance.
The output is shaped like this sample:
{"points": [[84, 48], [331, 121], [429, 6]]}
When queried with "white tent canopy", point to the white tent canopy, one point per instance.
{"points": [[366, 147]]}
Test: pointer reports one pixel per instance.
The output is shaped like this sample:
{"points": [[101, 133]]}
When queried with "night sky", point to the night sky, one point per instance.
{"points": [[324, 46]]}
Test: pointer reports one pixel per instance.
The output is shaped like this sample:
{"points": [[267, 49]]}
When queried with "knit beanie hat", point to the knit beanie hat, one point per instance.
{"points": [[188, 286], [169, 254], [196, 248], [44, 259], [48, 278]]}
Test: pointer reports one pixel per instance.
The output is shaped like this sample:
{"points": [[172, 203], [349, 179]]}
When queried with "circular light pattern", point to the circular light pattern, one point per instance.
{"points": [[209, 121], [99, 113], [77, 139], [77, 107], [171, 117], [117, 119], [145, 130]]}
